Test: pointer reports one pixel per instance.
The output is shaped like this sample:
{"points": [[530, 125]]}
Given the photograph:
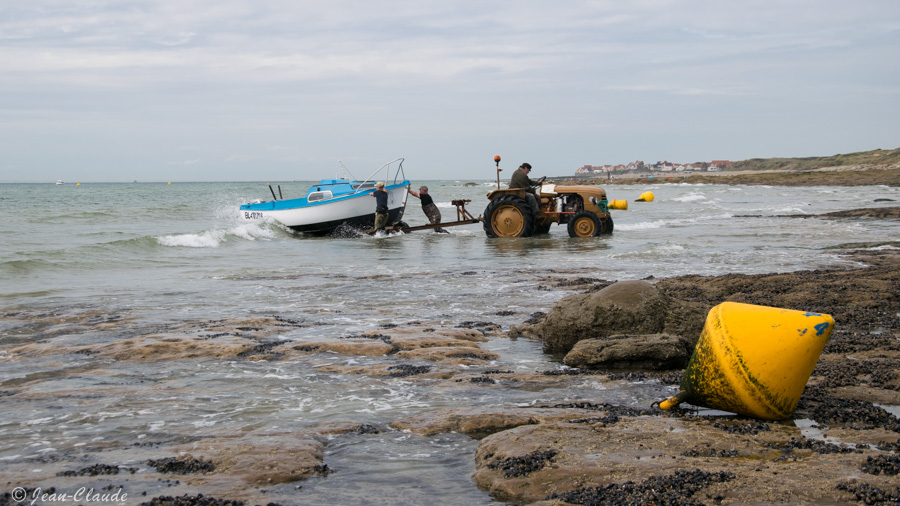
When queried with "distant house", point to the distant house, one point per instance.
{"points": [[666, 167]]}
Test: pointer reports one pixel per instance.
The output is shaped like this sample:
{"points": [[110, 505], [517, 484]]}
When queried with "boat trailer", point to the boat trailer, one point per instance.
{"points": [[463, 217]]}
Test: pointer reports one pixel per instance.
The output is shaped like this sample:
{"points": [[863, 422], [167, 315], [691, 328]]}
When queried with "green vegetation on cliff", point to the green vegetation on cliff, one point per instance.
{"points": [[868, 158]]}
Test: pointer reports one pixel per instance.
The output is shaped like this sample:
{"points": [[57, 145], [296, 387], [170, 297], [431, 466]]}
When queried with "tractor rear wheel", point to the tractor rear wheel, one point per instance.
{"points": [[508, 216], [585, 224]]}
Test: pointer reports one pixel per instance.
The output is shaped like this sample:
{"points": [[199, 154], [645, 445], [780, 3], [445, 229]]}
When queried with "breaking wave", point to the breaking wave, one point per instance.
{"points": [[690, 197], [649, 225], [216, 237]]}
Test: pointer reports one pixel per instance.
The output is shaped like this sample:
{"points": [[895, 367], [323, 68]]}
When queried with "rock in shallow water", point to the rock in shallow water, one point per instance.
{"points": [[626, 306], [655, 352]]}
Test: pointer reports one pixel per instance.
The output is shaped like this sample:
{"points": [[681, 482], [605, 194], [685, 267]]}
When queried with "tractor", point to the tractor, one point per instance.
{"points": [[584, 209]]}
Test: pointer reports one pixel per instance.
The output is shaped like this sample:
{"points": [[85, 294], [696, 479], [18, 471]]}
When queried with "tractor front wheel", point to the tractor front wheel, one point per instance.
{"points": [[585, 224], [608, 226]]}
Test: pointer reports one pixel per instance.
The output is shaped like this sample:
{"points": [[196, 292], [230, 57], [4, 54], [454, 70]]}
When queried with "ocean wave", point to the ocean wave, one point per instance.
{"points": [[669, 248], [650, 225], [690, 197], [19, 267], [784, 210], [214, 238]]}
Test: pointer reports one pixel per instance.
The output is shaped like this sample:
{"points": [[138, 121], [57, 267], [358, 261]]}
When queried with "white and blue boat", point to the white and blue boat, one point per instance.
{"points": [[333, 203]]}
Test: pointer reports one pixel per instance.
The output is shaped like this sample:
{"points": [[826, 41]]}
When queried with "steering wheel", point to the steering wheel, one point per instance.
{"points": [[540, 181]]}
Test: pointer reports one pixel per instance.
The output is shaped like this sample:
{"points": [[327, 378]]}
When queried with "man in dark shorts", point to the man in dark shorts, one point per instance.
{"points": [[428, 207], [381, 206]]}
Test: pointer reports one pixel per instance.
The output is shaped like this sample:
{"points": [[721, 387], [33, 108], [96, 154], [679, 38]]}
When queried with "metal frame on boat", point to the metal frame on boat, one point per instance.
{"points": [[332, 203]]}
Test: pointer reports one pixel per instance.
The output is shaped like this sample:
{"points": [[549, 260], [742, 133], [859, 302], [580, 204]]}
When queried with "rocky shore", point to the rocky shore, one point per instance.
{"points": [[840, 446]]}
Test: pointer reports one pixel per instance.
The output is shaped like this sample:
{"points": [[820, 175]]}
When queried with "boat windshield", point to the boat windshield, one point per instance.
{"points": [[383, 173]]}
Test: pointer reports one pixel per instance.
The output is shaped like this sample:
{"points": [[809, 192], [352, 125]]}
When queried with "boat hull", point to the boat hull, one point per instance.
{"points": [[356, 210]]}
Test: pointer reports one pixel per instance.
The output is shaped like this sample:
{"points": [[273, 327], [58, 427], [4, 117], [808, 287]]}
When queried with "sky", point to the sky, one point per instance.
{"points": [[280, 90]]}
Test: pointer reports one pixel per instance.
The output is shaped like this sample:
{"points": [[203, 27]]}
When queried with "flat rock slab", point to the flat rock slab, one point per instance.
{"points": [[455, 355], [390, 341], [256, 459], [592, 459], [480, 422]]}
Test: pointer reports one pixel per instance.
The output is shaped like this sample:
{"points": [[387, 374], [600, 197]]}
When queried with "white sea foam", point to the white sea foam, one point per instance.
{"points": [[785, 210], [690, 197], [669, 248], [649, 225], [252, 231], [214, 238], [207, 239], [644, 225]]}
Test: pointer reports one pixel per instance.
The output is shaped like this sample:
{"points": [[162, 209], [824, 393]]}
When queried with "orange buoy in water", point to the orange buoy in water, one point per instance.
{"points": [[753, 360]]}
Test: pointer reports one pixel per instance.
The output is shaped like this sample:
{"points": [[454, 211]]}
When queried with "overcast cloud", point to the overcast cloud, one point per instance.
{"points": [[280, 90]]}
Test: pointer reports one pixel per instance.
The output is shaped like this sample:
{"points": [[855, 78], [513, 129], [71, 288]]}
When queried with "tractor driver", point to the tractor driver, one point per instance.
{"points": [[520, 179]]}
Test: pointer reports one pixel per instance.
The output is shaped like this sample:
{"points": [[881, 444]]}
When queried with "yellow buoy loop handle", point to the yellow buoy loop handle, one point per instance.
{"points": [[673, 401]]}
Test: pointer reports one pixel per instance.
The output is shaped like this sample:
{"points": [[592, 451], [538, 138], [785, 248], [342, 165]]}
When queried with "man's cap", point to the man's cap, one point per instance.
{"points": [[525, 166]]}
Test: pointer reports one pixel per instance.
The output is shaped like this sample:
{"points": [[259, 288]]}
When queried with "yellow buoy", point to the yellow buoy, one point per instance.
{"points": [[621, 205], [753, 360], [646, 197]]}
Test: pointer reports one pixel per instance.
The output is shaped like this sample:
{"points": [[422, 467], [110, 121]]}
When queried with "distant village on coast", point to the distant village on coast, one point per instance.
{"points": [[662, 167]]}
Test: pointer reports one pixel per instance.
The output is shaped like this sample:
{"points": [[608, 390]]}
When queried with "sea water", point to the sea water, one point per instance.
{"points": [[115, 261]]}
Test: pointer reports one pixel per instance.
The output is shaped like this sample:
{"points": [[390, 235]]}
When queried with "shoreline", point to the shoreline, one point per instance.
{"points": [[832, 176]]}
